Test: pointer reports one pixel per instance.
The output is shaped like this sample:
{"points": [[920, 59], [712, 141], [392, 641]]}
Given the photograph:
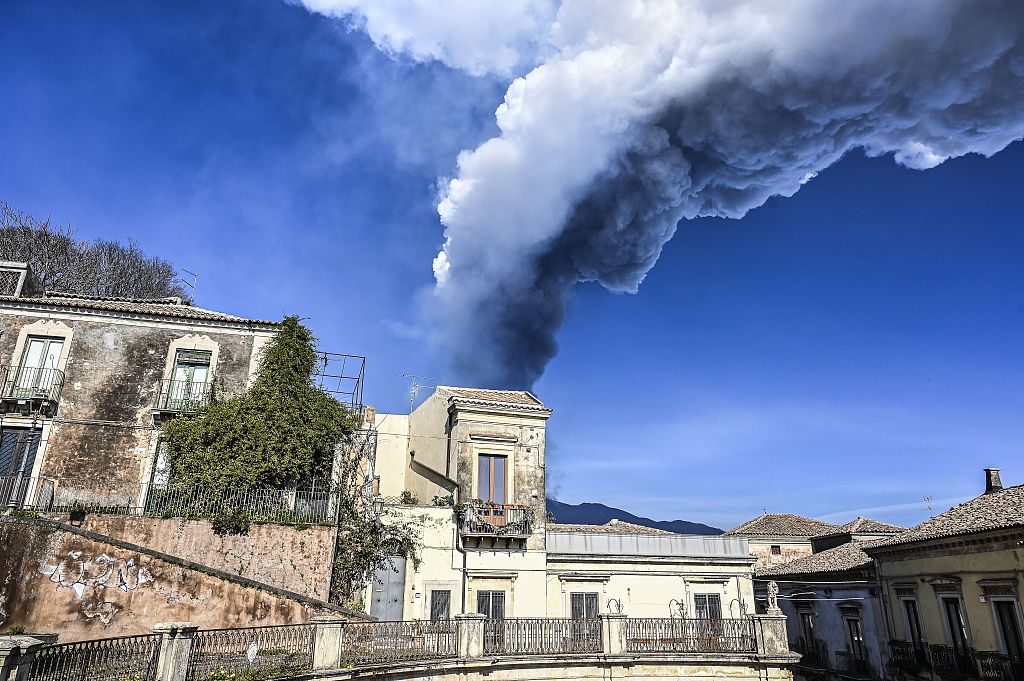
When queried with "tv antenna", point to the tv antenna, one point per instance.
{"points": [[928, 500], [194, 284], [414, 387]]}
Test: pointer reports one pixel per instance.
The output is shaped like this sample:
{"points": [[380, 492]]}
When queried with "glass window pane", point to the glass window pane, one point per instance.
{"points": [[34, 353], [498, 495], [53, 350], [485, 478]]}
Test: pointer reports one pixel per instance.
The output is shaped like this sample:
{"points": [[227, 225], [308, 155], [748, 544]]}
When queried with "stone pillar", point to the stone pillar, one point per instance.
{"points": [[16, 654], [770, 634], [175, 649], [328, 641], [471, 634], [613, 633]]}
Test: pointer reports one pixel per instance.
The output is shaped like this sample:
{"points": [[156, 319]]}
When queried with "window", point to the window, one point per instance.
{"points": [[855, 637], [708, 606], [807, 626], [188, 387], [1009, 627], [583, 605], [913, 622], [161, 473], [18, 445], [491, 604], [39, 361], [955, 622], [492, 478], [440, 604], [776, 550]]}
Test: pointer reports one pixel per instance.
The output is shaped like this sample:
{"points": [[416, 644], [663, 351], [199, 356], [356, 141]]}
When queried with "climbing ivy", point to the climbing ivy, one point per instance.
{"points": [[280, 432]]}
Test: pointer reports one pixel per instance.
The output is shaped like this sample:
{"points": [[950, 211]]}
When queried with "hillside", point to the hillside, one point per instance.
{"points": [[599, 514]]}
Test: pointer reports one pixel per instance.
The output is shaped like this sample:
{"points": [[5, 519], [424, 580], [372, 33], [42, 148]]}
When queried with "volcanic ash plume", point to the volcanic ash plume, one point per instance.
{"points": [[633, 116]]}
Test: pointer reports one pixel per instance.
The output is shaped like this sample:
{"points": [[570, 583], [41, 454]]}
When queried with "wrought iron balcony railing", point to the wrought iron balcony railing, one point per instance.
{"points": [[184, 396], [953, 662], [909, 656], [853, 664], [813, 652], [482, 519], [33, 387]]}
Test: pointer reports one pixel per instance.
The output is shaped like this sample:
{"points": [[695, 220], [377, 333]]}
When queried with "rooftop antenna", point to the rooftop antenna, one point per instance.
{"points": [[414, 387], [194, 284], [928, 500]]}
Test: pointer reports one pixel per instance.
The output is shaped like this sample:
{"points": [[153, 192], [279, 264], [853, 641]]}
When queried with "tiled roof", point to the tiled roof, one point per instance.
{"points": [[869, 526], [843, 557], [993, 511], [521, 397], [160, 307], [782, 525], [614, 526]]}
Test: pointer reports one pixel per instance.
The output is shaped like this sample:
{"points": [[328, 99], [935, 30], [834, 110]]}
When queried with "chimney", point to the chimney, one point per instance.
{"points": [[992, 481]]}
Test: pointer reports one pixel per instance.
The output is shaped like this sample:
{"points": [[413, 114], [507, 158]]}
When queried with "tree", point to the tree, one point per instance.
{"points": [[60, 262]]}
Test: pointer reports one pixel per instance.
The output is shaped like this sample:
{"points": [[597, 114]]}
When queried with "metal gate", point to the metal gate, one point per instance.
{"points": [[389, 591]]}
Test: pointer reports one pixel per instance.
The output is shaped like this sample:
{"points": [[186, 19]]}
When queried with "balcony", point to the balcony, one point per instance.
{"points": [[908, 656], [482, 519], [182, 397], [852, 664], [953, 662], [813, 652], [31, 390]]}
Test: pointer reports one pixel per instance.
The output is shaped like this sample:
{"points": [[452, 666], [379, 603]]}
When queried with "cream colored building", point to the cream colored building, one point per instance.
{"points": [[952, 586], [779, 538], [467, 470]]}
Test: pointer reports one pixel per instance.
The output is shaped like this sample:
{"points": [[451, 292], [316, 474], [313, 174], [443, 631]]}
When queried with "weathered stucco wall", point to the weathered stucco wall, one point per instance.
{"points": [[56, 581], [791, 550], [113, 369], [284, 556]]}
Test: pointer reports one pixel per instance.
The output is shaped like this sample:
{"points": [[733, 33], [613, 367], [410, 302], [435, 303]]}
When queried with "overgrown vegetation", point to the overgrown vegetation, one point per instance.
{"points": [[283, 432], [60, 262]]}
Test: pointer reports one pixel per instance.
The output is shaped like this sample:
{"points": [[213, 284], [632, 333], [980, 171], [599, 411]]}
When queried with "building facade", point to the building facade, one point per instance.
{"points": [[467, 470], [778, 538], [952, 589]]}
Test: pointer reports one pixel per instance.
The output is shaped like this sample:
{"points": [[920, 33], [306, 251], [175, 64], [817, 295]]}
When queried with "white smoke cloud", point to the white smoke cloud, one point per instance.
{"points": [[638, 115]]}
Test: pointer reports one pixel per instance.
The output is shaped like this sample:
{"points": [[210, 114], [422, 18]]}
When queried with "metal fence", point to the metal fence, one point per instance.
{"points": [[184, 396], [382, 642], [259, 505], [950, 661], [1000, 667], [272, 650], [541, 636], [127, 658], [25, 492], [31, 383], [909, 656], [663, 635], [853, 664], [499, 520]]}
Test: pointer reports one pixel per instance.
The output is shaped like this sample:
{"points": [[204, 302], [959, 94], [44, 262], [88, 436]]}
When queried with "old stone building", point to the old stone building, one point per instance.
{"points": [[87, 381], [777, 538], [467, 469], [952, 588]]}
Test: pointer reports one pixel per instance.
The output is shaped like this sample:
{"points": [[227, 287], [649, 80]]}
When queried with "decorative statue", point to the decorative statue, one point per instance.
{"points": [[773, 597]]}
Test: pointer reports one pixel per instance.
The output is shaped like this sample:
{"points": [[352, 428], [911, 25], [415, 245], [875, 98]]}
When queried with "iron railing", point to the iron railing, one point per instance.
{"points": [[495, 520], [383, 642], [32, 383], [664, 635], [21, 491], [813, 652], [950, 661], [999, 667], [184, 396], [909, 656], [853, 664], [541, 636], [126, 658], [280, 650], [259, 505]]}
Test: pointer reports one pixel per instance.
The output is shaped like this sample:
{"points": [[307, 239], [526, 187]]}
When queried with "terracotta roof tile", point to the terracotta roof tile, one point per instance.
{"points": [[782, 525], [521, 397], [993, 511], [160, 307], [843, 557]]}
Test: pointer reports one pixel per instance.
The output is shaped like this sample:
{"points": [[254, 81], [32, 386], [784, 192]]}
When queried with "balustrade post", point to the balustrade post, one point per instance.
{"points": [[613, 633], [770, 634], [16, 655], [175, 649], [328, 641], [471, 634]]}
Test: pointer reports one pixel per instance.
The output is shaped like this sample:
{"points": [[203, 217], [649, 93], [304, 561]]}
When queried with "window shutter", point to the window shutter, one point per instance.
{"points": [[440, 604]]}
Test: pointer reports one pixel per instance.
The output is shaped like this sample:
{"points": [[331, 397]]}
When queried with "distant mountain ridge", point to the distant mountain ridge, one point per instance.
{"points": [[599, 514]]}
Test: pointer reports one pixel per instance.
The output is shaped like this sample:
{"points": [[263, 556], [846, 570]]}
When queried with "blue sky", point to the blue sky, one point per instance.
{"points": [[849, 350]]}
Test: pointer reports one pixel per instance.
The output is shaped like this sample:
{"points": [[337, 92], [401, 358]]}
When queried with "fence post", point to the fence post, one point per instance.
{"points": [[175, 649], [471, 634], [328, 639], [16, 655], [770, 634], [613, 633]]}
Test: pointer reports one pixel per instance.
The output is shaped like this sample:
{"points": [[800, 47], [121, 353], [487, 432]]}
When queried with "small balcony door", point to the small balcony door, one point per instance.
{"points": [[1009, 627], [189, 381], [39, 362], [493, 477]]}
